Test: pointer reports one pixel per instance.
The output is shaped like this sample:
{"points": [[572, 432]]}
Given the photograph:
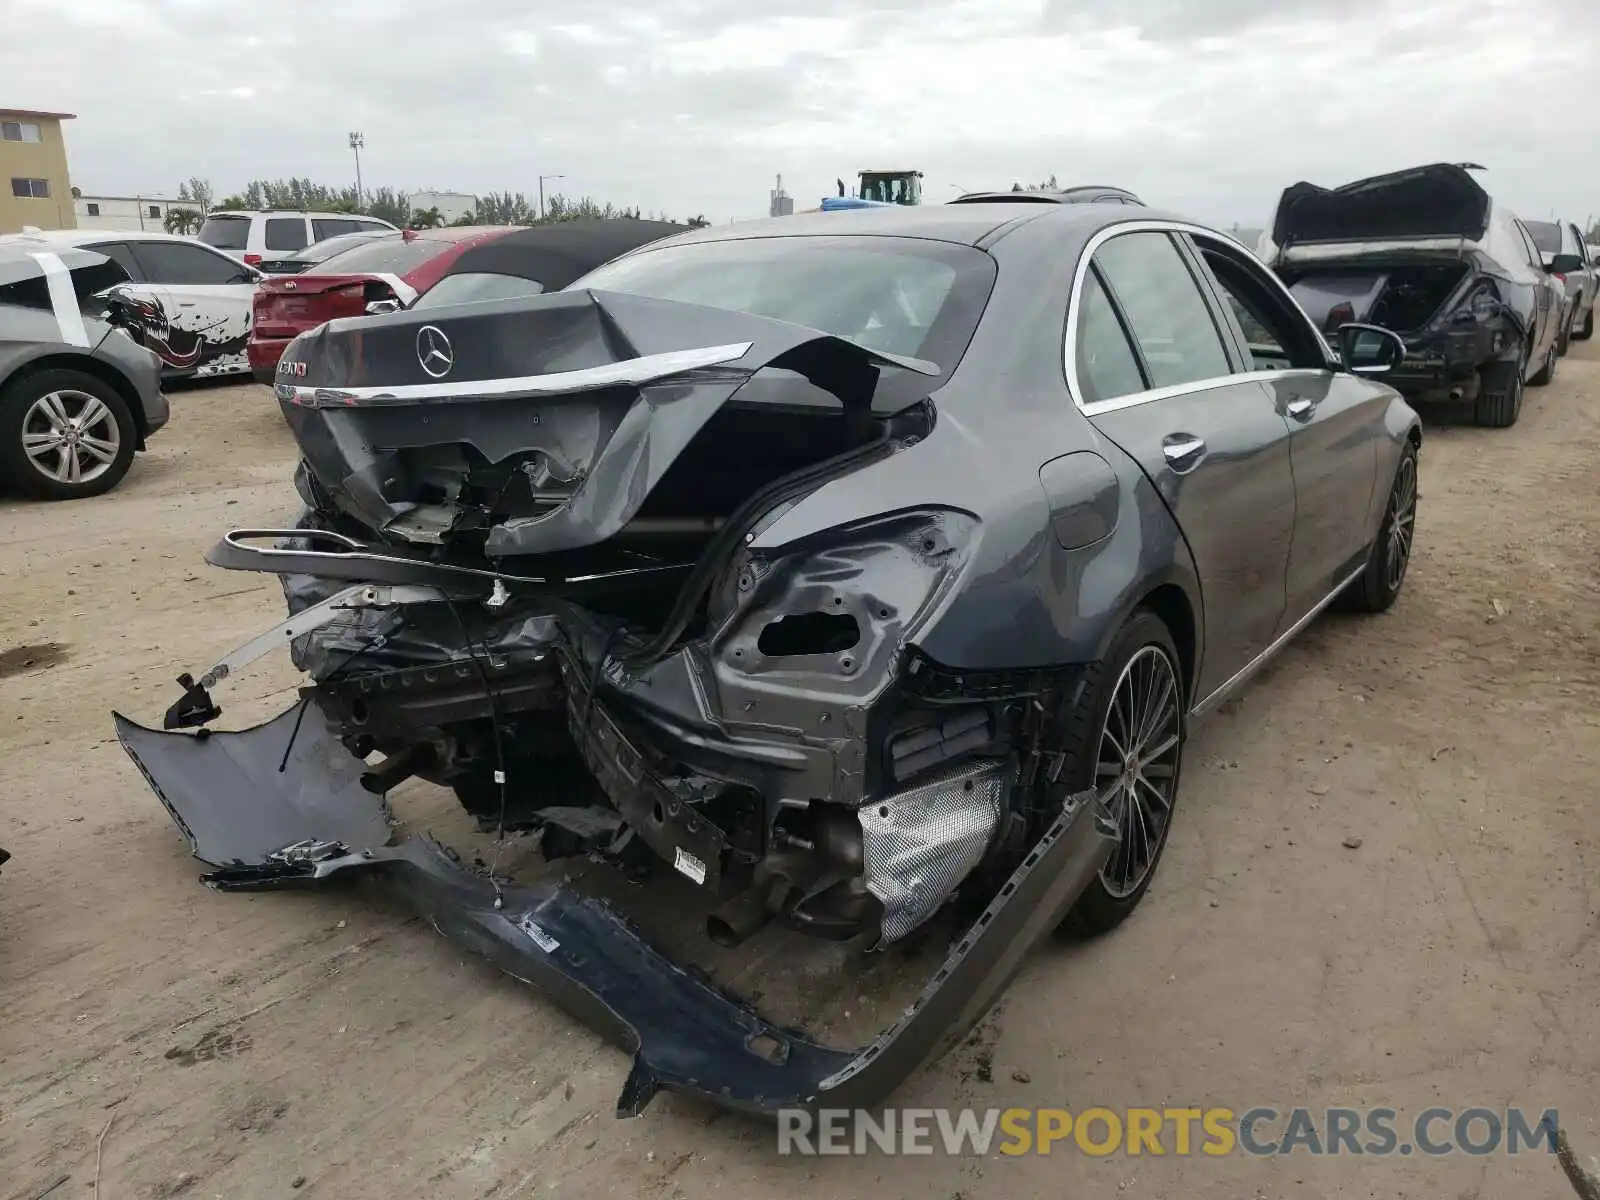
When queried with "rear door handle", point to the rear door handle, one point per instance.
{"points": [[1183, 451], [1299, 407]]}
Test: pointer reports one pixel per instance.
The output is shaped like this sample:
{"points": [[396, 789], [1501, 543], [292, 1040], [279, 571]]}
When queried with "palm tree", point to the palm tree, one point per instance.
{"points": [[427, 218], [185, 221]]}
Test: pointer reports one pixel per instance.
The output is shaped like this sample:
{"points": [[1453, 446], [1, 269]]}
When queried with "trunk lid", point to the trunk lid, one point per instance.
{"points": [[1439, 200], [286, 307], [542, 424]]}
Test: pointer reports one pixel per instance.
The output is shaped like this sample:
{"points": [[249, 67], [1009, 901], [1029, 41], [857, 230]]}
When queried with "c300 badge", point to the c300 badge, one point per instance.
{"points": [[297, 369]]}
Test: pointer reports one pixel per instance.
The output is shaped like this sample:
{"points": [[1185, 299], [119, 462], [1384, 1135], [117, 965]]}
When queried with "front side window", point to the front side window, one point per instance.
{"points": [[1168, 315], [1546, 236], [179, 263], [1107, 365], [286, 233], [1278, 337]]}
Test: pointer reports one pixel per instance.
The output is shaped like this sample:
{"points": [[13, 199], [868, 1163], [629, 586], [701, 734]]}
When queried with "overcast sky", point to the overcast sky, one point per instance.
{"points": [[1207, 106]]}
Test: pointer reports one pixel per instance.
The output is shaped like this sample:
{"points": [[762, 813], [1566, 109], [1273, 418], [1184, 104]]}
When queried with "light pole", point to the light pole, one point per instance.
{"points": [[542, 178], [357, 141]]}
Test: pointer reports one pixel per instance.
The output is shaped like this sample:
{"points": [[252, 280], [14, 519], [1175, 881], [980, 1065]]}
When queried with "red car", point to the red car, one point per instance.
{"points": [[397, 267]]}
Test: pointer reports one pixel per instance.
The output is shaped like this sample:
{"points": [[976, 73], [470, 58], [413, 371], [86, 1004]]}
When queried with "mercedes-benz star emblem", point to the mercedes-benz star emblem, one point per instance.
{"points": [[433, 351]]}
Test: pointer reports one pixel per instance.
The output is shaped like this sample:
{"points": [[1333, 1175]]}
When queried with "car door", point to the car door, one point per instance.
{"points": [[1154, 372], [210, 311], [1586, 275], [1336, 430], [1548, 299]]}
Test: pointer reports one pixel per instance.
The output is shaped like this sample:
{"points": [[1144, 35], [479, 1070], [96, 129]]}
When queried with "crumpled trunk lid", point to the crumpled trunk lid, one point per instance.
{"points": [[1439, 200], [542, 424]]}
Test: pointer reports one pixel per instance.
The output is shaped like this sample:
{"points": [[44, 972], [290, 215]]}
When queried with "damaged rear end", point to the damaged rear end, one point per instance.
{"points": [[1408, 251], [529, 570]]}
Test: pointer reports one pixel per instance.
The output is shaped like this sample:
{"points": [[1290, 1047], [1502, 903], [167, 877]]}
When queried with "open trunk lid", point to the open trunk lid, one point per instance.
{"points": [[542, 424], [1441, 200]]}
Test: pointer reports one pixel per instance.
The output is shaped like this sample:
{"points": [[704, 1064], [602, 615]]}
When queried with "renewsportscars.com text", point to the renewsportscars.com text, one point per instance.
{"points": [[1261, 1130]]}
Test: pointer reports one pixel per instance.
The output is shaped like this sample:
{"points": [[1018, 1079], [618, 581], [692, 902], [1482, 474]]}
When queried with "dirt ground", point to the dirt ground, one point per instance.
{"points": [[180, 1042]]}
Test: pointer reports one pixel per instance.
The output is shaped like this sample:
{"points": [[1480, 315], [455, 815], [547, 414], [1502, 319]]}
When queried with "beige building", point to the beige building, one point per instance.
{"points": [[34, 186]]}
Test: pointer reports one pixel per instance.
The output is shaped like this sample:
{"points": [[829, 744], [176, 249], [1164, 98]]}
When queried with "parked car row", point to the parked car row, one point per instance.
{"points": [[78, 396], [1486, 302]]}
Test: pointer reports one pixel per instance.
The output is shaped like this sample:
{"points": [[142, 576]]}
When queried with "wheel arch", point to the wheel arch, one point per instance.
{"points": [[95, 368]]}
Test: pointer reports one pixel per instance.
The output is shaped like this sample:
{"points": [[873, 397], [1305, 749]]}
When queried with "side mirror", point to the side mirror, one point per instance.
{"points": [[376, 308], [1369, 349], [1565, 264]]}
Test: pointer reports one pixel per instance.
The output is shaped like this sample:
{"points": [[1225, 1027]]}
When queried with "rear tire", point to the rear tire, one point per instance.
{"points": [[1377, 588], [64, 435], [1133, 711], [1565, 339], [1586, 331], [1499, 402]]}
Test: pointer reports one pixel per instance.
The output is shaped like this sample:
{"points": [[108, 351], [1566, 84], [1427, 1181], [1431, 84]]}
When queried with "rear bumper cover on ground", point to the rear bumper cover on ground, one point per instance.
{"points": [[272, 807]]}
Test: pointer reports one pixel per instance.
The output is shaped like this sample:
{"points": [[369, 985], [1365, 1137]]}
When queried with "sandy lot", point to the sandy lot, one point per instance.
{"points": [[323, 1045]]}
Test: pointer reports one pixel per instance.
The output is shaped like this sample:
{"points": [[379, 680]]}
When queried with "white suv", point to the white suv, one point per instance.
{"points": [[252, 236]]}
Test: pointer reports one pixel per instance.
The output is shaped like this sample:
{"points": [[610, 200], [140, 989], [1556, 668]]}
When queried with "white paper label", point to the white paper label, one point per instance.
{"points": [[540, 938], [688, 864]]}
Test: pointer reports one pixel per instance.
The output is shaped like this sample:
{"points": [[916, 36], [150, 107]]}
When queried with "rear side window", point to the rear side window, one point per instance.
{"points": [[119, 252], [1171, 322], [226, 233], [1107, 365], [327, 227], [286, 233], [381, 256]]}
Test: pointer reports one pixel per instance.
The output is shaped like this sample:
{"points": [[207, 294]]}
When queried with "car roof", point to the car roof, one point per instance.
{"points": [[291, 212], [1070, 195], [971, 224], [79, 237]]}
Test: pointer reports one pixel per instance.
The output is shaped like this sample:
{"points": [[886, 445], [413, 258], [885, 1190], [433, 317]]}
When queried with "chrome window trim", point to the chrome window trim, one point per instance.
{"points": [[1074, 304]]}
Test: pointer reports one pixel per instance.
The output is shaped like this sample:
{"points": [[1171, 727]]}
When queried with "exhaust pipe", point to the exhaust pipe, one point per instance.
{"points": [[743, 915]]}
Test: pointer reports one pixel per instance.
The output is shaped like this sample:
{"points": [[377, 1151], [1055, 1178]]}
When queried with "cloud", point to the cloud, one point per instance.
{"points": [[695, 107]]}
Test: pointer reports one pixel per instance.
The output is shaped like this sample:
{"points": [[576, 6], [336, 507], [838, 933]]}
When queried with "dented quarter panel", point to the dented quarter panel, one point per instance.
{"points": [[1024, 599]]}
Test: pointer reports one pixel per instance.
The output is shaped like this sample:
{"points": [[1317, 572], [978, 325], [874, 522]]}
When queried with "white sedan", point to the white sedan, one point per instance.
{"points": [[205, 295]]}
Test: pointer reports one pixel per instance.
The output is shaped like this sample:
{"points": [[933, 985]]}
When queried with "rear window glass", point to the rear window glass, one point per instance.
{"points": [[468, 288], [226, 233], [1546, 236], [286, 233], [903, 296], [324, 250], [382, 256]]}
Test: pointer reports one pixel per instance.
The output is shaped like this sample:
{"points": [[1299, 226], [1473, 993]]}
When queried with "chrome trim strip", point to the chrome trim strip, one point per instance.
{"points": [[1074, 303], [1255, 664], [645, 369], [63, 298]]}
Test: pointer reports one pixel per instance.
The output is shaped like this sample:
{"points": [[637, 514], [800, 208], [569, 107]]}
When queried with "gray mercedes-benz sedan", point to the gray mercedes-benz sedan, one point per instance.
{"points": [[859, 569]]}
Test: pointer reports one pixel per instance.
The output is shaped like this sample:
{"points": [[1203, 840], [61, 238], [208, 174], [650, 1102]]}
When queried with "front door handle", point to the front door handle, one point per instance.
{"points": [[1299, 407], [1183, 451]]}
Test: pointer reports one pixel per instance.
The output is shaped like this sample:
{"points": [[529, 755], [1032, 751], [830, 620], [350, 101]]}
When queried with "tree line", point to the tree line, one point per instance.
{"points": [[197, 198]]}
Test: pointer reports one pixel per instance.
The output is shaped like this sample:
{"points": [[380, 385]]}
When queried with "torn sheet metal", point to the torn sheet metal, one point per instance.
{"points": [[596, 394], [314, 823]]}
